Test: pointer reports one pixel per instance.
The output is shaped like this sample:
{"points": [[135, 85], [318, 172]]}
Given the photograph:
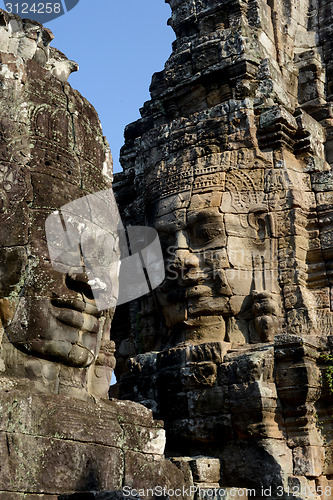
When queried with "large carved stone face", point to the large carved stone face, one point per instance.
{"points": [[52, 153], [221, 256], [45, 312], [193, 237], [241, 253], [214, 259]]}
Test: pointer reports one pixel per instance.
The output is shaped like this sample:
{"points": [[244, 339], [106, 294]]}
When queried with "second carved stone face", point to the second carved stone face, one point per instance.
{"points": [[217, 253]]}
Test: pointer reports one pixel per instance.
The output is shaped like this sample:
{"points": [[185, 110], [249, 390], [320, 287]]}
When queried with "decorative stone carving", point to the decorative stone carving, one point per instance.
{"points": [[231, 163], [266, 314], [45, 313], [59, 434], [261, 150]]}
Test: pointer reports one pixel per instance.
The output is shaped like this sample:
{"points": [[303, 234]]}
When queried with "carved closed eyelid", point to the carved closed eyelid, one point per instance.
{"points": [[209, 225], [204, 218], [206, 234], [169, 227]]}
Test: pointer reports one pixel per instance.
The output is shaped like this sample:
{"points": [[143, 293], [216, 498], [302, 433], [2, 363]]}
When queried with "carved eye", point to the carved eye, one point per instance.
{"points": [[206, 228], [206, 233]]}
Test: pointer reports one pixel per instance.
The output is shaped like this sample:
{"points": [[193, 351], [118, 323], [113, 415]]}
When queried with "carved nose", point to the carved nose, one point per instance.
{"points": [[78, 282], [184, 261], [191, 261]]}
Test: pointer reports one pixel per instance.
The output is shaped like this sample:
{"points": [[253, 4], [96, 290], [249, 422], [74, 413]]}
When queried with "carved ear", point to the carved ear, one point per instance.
{"points": [[7, 311], [252, 220]]}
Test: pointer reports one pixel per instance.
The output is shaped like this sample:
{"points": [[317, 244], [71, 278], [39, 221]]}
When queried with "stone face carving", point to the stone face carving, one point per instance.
{"points": [[52, 152], [227, 158], [215, 257], [231, 163], [59, 434], [266, 315]]}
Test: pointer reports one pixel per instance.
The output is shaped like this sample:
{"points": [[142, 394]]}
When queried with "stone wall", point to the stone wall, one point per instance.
{"points": [[53, 445]]}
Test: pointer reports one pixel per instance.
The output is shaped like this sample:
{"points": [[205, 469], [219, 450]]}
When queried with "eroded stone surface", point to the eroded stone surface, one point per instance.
{"points": [[52, 152], [231, 163], [58, 432]]}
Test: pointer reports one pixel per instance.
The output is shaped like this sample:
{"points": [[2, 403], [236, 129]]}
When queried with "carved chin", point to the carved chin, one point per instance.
{"points": [[199, 329], [59, 351], [61, 335]]}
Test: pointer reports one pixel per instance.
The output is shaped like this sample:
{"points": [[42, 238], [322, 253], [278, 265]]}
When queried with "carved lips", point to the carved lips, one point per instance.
{"points": [[77, 314]]}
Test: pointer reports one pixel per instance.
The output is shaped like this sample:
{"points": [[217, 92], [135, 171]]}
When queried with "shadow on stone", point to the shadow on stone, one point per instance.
{"points": [[95, 495]]}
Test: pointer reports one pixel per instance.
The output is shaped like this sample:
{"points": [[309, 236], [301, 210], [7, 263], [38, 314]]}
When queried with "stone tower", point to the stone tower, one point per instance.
{"points": [[231, 162]]}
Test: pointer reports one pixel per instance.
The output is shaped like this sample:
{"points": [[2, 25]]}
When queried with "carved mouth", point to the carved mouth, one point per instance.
{"points": [[181, 285], [77, 314], [188, 280], [77, 305], [199, 291]]}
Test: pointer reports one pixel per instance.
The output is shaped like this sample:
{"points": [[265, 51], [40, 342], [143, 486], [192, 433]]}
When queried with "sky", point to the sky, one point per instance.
{"points": [[118, 45]]}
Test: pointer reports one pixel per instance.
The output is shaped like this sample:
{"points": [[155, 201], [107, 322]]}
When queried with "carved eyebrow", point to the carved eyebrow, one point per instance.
{"points": [[204, 214], [170, 226]]}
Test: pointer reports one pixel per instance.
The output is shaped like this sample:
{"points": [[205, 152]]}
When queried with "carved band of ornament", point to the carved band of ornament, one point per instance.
{"points": [[187, 179], [250, 200], [245, 181], [243, 194], [166, 180], [54, 153]]}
